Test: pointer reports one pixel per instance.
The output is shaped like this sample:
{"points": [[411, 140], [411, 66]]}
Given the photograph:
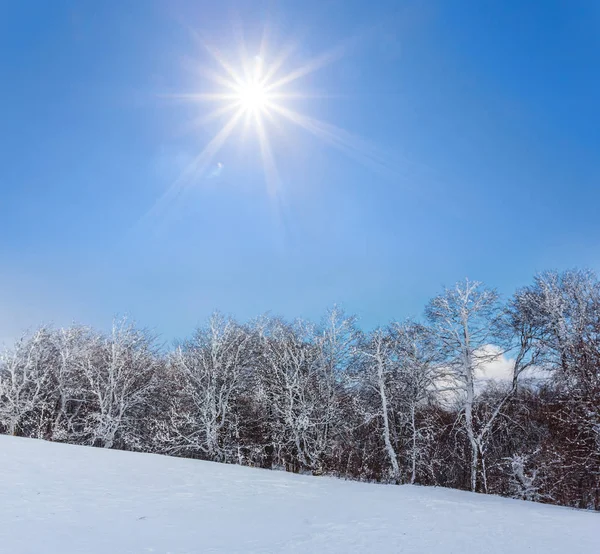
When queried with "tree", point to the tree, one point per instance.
{"points": [[463, 319], [299, 399], [336, 341], [70, 346], [206, 374], [418, 376], [467, 320], [119, 381], [564, 311], [378, 376], [409, 402], [26, 387]]}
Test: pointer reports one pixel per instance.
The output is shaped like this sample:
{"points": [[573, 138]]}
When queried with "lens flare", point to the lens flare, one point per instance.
{"points": [[256, 94]]}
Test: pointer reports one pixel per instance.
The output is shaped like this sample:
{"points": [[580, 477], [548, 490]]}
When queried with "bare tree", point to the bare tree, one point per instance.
{"points": [[462, 319], [25, 381], [119, 372], [404, 403], [299, 400], [467, 320], [378, 377], [207, 374], [563, 309], [336, 340], [417, 377], [70, 346]]}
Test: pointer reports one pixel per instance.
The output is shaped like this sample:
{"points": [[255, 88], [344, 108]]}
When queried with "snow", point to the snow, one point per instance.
{"points": [[69, 499]]}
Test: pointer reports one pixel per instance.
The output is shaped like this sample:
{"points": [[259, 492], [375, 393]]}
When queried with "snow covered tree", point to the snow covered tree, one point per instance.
{"points": [[70, 346], [378, 378], [119, 381], [523, 483], [463, 319], [466, 321], [336, 340], [564, 310], [206, 375], [409, 402], [300, 401], [418, 375], [26, 387]]}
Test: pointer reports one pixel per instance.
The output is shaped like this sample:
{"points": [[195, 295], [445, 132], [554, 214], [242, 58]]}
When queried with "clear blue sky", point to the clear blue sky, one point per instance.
{"points": [[486, 114]]}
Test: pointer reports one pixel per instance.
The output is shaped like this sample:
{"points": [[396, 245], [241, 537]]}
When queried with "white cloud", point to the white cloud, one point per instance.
{"points": [[499, 367]]}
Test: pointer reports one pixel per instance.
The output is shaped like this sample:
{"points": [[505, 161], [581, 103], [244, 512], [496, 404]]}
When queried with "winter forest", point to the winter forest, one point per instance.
{"points": [[409, 402]]}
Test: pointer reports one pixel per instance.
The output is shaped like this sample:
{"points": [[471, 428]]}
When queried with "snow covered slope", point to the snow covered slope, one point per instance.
{"points": [[67, 499]]}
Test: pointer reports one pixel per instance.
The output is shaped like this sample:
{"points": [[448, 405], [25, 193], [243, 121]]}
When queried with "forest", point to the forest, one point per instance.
{"points": [[409, 402]]}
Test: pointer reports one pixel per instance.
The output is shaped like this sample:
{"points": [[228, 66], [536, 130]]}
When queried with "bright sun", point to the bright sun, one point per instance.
{"points": [[255, 94], [253, 97]]}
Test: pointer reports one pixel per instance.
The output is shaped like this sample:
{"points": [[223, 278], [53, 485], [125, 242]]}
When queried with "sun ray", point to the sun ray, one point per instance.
{"points": [[205, 119], [210, 74], [196, 168], [313, 65], [212, 148], [264, 44], [218, 79], [276, 65], [279, 96], [344, 141], [240, 41], [273, 182], [229, 69], [201, 96], [259, 94], [215, 114], [269, 166]]}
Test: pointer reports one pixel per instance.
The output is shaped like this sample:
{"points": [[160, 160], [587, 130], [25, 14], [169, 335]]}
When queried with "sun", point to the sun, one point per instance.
{"points": [[253, 97], [253, 94]]}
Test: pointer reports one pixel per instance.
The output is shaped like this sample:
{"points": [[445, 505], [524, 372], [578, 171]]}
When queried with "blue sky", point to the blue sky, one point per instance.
{"points": [[484, 114]]}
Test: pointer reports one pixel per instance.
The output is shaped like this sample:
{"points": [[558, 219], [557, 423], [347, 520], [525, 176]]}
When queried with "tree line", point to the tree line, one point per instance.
{"points": [[406, 403]]}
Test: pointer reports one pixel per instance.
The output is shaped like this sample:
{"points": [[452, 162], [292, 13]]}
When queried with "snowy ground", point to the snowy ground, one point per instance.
{"points": [[67, 499]]}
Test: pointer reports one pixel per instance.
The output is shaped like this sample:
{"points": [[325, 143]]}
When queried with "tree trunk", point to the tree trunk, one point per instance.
{"points": [[472, 442], [413, 474], [386, 424]]}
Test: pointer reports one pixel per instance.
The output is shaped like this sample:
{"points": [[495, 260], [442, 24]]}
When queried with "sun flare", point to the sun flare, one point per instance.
{"points": [[256, 94]]}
